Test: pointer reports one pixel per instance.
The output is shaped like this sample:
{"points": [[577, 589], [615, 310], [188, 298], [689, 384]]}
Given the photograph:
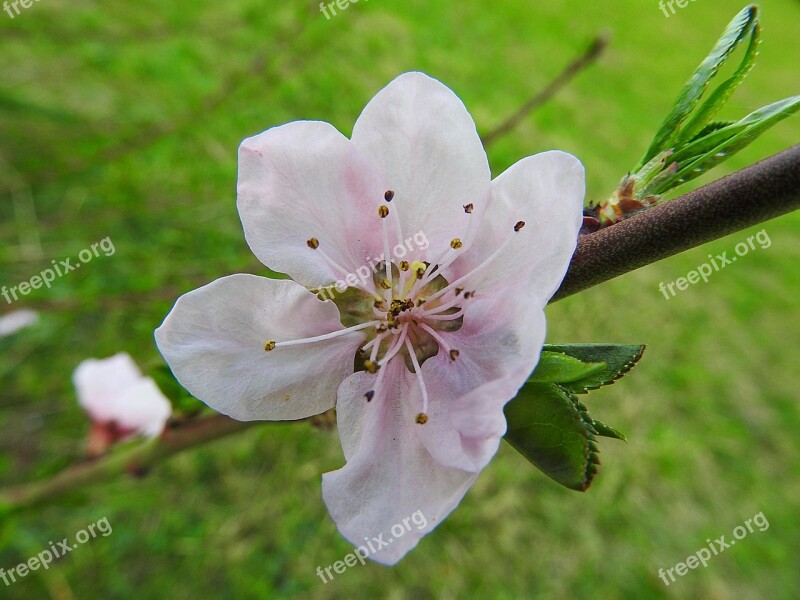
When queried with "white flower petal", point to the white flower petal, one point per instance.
{"points": [[421, 136], [546, 191], [214, 342], [389, 476], [16, 321], [306, 180]]}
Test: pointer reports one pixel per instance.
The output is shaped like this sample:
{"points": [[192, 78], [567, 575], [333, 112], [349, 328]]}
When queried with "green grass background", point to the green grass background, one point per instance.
{"points": [[122, 119]]}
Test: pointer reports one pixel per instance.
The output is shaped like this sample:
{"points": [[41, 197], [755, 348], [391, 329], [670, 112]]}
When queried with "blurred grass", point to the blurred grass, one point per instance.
{"points": [[122, 119]]}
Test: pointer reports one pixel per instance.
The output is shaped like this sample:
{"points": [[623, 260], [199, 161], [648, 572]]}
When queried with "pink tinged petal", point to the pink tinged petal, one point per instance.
{"points": [[214, 341], [389, 477], [546, 192], [423, 139], [499, 346], [306, 180], [114, 391]]}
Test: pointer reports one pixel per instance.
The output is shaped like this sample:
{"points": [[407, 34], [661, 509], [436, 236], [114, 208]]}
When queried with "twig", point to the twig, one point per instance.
{"points": [[763, 191], [592, 53], [134, 460]]}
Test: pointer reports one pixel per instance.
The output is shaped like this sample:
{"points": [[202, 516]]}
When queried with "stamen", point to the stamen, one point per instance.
{"points": [[468, 208], [313, 243], [369, 395], [454, 354], [343, 275], [388, 195], [405, 265], [370, 366], [422, 418], [439, 339], [383, 211], [456, 244], [418, 371], [271, 344], [519, 225], [477, 269]]}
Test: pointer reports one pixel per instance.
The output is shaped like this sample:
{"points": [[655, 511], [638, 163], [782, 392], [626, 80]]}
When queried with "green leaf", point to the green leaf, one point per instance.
{"points": [[618, 359], [549, 427], [744, 25], [557, 367], [606, 431], [720, 144]]}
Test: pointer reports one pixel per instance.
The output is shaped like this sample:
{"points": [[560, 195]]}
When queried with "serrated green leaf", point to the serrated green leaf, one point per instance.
{"points": [[740, 29], [619, 359], [549, 427], [606, 431], [557, 367]]}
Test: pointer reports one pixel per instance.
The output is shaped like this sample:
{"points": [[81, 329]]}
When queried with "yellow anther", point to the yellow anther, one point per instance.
{"points": [[383, 211], [468, 208], [456, 244], [405, 265], [269, 346], [313, 243], [371, 366], [519, 225], [454, 354], [422, 418]]}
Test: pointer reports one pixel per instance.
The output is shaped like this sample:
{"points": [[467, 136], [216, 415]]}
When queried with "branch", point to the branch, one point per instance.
{"points": [[763, 191], [592, 53], [134, 460]]}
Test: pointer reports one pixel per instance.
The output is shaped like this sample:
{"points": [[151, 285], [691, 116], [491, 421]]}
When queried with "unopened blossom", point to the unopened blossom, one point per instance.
{"points": [[16, 321], [419, 358], [121, 402]]}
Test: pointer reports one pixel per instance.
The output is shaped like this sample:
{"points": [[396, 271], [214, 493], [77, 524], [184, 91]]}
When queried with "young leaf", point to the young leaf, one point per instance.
{"points": [[557, 367], [606, 431], [742, 27], [549, 427], [618, 359]]}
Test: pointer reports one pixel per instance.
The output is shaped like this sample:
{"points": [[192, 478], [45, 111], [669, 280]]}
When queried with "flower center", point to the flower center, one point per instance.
{"points": [[407, 310]]}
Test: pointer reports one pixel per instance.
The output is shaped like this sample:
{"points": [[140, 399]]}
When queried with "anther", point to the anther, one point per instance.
{"points": [[404, 265], [313, 243], [420, 301], [369, 395], [468, 295], [386, 284], [454, 354], [371, 366], [383, 211], [458, 290], [468, 208], [455, 244], [519, 225], [422, 418], [269, 346], [388, 195]]}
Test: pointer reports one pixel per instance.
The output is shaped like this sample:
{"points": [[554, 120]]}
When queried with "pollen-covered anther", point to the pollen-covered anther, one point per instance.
{"points": [[468, 208], [269, 346], [313, 243], [380, 304], [421, 301], [454, 354], [519, 225], [386, 284], [456, 243], [369, 395], [383, 211], [468, 295], [388, 196], [422, 418], [458, 290], [371, 366], [381, 327], [405, 265]]}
